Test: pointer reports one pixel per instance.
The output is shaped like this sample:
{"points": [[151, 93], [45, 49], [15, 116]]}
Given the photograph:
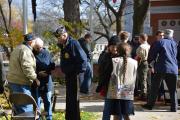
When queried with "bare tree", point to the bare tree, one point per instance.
{"points": [[118, 14], [72, 14], [109, 16], [140, 11]]}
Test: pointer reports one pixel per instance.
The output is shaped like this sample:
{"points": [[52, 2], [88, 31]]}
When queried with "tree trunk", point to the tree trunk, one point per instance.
{"points": [[7, 31], [72, 14], [118, 24], [119, 14], [140, 12]]}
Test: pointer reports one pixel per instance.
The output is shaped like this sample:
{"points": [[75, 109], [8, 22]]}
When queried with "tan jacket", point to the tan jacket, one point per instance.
{"points": [[142, 51], [22, 66]]}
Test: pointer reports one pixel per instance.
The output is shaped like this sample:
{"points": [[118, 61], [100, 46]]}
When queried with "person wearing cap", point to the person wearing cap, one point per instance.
{"points": [[22, 70], [86, 77], [105, 70], [164, 52], [44, 66], [73, 61]]}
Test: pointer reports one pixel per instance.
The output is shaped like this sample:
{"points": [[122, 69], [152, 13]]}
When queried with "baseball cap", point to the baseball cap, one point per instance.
{"points": [[29, 37], [60, 30]]}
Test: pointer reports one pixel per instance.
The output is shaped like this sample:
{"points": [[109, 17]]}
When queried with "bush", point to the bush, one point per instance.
{"points": [[4, 102]]}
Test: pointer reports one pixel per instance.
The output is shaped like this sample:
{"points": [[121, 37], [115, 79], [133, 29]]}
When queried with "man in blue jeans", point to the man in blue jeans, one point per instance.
{"points": [[22, 70], [44, 66], [86, 77]]}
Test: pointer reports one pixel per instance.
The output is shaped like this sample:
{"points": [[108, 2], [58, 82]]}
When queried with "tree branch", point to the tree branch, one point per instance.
{"points": [[9, 3], [108, 12], [99, 33], [121, 8], [109, 6], [4, 20]]}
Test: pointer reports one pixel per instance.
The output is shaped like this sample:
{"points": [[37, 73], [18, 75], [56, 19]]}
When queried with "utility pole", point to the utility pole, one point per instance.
{"points": [[91, 18], [25, 16], [91, 28]]}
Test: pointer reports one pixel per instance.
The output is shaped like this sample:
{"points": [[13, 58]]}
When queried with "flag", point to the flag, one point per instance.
{"points": [[114, 1]]}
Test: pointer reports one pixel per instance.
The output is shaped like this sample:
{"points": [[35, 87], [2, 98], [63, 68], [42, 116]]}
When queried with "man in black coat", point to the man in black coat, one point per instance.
{"points": [[86, 77]]}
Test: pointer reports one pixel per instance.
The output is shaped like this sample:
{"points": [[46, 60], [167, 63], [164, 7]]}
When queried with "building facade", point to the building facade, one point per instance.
{"points": [[165, 14]]}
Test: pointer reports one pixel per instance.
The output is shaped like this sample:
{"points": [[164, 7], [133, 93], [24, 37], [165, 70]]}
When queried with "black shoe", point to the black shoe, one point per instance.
{"points": [[173, 110], [146, 106], [83, 92]]}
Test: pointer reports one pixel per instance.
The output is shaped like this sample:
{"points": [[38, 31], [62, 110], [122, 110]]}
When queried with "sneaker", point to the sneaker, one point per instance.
{"points": [[146, 106]]}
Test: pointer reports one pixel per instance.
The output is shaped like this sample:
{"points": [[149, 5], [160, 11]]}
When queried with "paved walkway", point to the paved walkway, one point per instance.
{"points": [[93, 103]]}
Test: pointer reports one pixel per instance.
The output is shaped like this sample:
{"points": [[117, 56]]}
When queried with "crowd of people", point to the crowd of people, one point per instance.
{"points": [[126, 69]]}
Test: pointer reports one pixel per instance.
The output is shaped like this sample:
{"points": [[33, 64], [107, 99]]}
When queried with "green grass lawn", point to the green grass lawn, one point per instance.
{"points": [[84, 116], [61, 116]]}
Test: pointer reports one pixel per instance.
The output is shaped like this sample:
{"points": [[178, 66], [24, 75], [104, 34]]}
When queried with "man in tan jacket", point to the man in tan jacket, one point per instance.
{"points": [[22, 68]]}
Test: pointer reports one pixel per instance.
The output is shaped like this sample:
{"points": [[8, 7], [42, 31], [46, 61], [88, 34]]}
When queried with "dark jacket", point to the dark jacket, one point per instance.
{"points": [[164, 52], [134, 48], [105, 69], [178, 55], [73, 57], [44, 63], [86, 47]]}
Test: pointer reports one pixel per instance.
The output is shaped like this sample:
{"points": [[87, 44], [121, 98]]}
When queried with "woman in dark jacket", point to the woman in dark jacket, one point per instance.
{"points": [[105, 69]]}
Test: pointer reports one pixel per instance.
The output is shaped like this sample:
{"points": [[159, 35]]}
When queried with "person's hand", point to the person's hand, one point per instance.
{"points": [[97, 95], [151, 70], [37, 82], [178, 84], [42, 74]]}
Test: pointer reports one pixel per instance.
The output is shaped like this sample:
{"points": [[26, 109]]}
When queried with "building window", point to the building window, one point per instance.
{"points": [[100, 47], [172, 23], [164, 23]]}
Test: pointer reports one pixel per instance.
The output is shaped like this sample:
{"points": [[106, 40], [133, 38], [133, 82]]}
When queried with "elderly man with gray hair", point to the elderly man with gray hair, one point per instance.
{"points": [[44, 66], [164, 52]]}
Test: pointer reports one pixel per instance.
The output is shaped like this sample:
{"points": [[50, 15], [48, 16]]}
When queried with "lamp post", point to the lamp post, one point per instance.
{"points": [[91, 28], [91, 19], [25, 16]]}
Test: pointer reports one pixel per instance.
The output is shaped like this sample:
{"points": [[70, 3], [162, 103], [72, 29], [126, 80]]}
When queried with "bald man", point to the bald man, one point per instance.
{"points": [[44, 65]]}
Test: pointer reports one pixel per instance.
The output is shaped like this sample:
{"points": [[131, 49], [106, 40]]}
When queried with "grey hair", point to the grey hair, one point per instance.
{"points": [[168, 33], [39, 42]]}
